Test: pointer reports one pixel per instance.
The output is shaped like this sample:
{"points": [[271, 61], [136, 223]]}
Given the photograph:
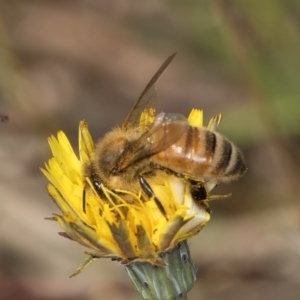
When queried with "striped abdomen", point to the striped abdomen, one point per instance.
{"points": [[203, 154]]}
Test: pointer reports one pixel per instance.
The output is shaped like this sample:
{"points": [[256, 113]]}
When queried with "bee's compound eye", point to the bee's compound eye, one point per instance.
{"points": [[198, 192]]}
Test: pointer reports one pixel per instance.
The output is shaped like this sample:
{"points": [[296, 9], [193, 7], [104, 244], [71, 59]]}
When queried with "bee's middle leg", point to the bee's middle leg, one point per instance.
{"points": [[198, 191], [150, 194]]}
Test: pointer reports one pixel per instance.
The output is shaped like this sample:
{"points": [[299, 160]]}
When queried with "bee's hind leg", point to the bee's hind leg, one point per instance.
{"points": [[150, 194], [198, 191]]}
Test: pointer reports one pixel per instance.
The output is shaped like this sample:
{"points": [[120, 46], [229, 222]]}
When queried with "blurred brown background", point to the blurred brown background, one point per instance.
{"points": [[62, 61]]}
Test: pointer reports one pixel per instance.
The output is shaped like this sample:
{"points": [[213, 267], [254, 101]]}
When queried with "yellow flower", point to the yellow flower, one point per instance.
{"points": [[110, 226]]}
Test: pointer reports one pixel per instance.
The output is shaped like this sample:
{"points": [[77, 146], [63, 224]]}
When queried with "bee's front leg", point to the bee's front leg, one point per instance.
{"points": [[97, 185]]}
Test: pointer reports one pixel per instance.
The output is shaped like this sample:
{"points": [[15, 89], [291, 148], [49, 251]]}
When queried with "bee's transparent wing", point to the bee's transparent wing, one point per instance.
{"points": [[164, 132], [147, 97]]}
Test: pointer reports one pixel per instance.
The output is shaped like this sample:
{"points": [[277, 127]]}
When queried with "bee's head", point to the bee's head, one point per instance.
{"points": [[108, 154]]}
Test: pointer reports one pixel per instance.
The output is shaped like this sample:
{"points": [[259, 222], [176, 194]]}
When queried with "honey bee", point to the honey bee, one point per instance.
{"points": [[125, 157]]}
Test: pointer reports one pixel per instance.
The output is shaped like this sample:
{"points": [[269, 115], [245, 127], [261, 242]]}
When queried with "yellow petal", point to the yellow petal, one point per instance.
{"points": [[214, 122], [146, 119], [86, 144], [196, 117]]}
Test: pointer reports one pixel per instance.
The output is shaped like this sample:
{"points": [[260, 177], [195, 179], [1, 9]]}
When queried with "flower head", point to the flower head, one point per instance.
{"points": [[107, 223]]}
